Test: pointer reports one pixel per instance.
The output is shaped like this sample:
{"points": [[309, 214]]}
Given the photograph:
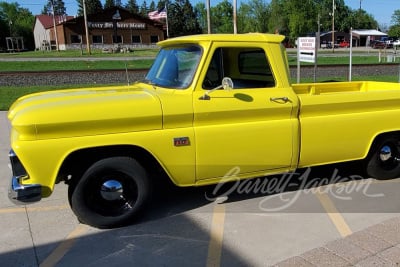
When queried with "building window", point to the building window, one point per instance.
{"points": [[117, 39], [97, 39], [154, 39], [136, 39], [76, 39]]}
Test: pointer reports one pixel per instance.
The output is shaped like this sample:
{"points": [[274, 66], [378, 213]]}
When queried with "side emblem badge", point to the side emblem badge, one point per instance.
{"points": [[181, 141]]}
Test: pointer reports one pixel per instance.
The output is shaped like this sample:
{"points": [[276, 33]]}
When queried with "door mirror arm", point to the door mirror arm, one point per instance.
{"points": [[226, 84]]}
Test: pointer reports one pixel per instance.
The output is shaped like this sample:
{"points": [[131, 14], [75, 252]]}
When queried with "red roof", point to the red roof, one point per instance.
{"points": [[47, 21]]}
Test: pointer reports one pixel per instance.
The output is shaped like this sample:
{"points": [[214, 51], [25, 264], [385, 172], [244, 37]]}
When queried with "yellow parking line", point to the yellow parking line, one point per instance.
{"points": [[12, 210], [336, 218], [216, 236], [64, 247], [32, 209]]}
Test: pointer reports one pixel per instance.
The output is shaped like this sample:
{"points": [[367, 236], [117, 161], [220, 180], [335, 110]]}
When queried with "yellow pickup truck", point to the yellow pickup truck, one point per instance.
{"points": [[208, 104]]}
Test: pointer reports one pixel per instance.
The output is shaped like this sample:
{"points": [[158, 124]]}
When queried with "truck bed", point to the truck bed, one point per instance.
{"points": [[339, 120]]}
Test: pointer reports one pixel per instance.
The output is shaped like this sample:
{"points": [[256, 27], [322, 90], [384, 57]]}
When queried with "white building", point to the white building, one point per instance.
{"points": [[43, 28]]}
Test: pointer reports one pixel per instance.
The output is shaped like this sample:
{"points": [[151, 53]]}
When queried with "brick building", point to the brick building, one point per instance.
{"points": [[109, 29]]}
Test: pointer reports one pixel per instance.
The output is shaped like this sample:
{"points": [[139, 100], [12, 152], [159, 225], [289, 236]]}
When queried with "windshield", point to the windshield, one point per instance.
{"points": [[174, 67]]}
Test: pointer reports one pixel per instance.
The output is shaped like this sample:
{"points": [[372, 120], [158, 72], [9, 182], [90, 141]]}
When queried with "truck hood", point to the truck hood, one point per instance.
{"points": [[83, 112]]}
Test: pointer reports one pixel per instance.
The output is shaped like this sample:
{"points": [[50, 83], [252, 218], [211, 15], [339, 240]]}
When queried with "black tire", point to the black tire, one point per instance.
{"points": [[110, 193], [384, 160]]}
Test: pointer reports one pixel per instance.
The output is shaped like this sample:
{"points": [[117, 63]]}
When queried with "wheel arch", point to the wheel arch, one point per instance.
{"points": [[77, 162], [378, 138], [382, 161]]}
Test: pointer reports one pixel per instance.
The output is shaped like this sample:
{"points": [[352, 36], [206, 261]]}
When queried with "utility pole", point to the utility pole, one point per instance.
{"points": [[333, 26], [208, 17], [234, 16], [54, 24], [86, 28], [317, 46]]}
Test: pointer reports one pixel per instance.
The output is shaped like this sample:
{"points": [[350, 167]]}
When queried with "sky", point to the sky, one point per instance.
{"points": [[381, 10]]}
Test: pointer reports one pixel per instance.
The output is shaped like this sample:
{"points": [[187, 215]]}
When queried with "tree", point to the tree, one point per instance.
{"points": [[222, 17], [112, 3], [201, 15], [254, 16], [92, 7], [132, 6], [152, 6], [278, 20], [16, 21], [394, 30], [109, 4], [360, 19], [345, 17], [143, 9], [301, 17], [59, 8], [161, 4], [182, 19], [244, 18]]}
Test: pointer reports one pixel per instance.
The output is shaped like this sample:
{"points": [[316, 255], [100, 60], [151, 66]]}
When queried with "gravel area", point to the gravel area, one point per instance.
{"points": [[120, 77]]}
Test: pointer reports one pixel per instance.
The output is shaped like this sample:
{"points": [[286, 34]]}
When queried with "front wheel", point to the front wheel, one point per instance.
{"points": [[111, 192], [384, 160]]}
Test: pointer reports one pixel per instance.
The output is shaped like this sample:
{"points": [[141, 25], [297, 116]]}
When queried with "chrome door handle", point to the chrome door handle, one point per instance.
{"points": [[283, 99]]}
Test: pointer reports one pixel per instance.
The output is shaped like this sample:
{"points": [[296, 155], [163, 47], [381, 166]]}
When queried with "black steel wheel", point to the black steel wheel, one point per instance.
{"points": [[384, 161], [110, 193]]}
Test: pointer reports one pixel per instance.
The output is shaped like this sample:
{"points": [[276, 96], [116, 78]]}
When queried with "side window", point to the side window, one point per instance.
{"points": [[254, 63], [255, 70], [247, 67]]}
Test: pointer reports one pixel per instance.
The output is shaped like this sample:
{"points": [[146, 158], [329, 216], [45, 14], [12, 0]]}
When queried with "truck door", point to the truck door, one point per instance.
{"points": [[251, 128]]}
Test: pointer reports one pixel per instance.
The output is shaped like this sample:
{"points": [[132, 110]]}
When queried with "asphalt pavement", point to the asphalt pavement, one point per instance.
{"points": [[329, 216]]}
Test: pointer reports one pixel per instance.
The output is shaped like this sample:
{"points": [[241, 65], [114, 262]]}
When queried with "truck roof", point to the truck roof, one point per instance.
{"points": [[245, 37]]}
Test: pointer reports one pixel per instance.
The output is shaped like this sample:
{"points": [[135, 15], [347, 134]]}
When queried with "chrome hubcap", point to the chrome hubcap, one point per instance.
{"points": [[111, 190], [385, 153]]}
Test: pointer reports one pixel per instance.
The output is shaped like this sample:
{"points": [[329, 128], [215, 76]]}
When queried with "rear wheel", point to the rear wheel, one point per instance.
{"points": [[110, 193], [384, 160]]}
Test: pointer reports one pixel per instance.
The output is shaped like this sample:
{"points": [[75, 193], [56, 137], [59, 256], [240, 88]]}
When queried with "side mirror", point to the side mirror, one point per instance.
{"points": [[226, 84]]}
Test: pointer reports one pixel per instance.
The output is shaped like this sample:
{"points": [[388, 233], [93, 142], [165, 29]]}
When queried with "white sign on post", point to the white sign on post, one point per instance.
{"points": [[306, 49]]}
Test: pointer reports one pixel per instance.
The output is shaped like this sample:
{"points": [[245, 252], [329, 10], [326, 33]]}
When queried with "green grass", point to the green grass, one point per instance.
{"points": [[365, 59], [78, 53], [74, 65]]}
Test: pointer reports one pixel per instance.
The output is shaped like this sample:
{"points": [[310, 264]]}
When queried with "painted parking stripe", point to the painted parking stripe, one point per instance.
{"points": [[336, 218], [64, 246], [33, 209], [216, 236]]}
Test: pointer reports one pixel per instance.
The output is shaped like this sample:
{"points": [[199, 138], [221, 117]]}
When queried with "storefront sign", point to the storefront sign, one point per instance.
{"points": [[120, 25]]}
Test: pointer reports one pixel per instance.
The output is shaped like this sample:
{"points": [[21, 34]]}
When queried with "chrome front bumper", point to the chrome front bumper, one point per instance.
{"points": [[20, 193]]}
